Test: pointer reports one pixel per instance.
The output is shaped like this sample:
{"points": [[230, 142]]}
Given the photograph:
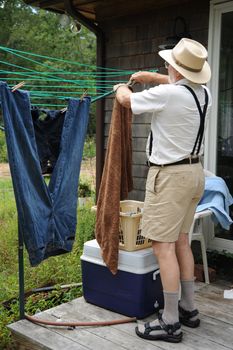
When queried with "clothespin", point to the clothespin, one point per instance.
{"points": [[84, 94], [130, 83], [63, 110], [18, 86]]}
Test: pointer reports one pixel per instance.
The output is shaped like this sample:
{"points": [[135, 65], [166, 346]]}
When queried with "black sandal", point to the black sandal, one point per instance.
{"points": [[170, 330], [185, 317]]}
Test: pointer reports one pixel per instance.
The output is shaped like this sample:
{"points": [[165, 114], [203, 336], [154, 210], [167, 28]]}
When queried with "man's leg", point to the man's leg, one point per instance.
{"points": [[167, 327], [168, 264], [186, 263], [185, 257], [170, 277]]}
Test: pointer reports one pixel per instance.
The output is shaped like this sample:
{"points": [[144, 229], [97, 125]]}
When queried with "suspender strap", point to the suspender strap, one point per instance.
{"points": [[151, 143], [202, 114], [200, 133], [203, 123]]}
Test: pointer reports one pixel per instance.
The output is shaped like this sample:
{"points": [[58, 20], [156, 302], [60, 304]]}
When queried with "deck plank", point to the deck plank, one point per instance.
{"points": [[220, 333], [126, 332], [32, 336], [210, 302], [80, 335], [215, 333], [191, 338], [88, 312]]}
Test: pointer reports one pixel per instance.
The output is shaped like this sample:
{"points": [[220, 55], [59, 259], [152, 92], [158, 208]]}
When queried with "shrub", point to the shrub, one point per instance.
{"points": [[84, 189]]}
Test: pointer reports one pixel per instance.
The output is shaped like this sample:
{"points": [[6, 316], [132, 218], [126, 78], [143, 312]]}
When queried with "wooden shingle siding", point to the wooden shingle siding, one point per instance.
{"points": [[139, 158], [138, 130], [132, 44]]}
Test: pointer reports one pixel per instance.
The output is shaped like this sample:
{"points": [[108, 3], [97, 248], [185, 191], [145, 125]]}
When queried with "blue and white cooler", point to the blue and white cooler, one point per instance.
{"points": [[136, 289]]}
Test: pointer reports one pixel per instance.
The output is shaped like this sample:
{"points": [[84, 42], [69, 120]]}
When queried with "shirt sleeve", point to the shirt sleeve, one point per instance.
{"points": [[152, 100]]}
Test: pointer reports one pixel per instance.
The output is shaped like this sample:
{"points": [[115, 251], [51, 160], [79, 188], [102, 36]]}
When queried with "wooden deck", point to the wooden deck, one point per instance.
{"points": [[215, 332]]}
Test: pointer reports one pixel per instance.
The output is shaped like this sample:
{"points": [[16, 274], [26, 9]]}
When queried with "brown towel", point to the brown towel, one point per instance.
{"points": [[115, 184]]}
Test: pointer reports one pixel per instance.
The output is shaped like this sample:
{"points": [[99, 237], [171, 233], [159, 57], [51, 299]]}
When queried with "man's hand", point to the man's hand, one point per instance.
{"points": [[115, 87], [144, 77]]}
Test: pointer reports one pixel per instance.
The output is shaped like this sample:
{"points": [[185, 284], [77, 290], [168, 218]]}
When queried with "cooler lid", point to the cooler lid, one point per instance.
{"points": [[140, 261]]}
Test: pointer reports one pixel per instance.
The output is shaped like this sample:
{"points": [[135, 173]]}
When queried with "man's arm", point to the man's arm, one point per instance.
{"points": [[123, 92], [123, 95]]}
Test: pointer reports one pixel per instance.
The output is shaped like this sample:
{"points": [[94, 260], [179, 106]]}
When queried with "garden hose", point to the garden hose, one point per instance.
{"points": [[77, 324]]}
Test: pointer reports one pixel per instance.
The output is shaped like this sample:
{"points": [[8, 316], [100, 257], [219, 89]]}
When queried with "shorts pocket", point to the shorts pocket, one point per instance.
{"points": [[175, 180], [151, 179]]}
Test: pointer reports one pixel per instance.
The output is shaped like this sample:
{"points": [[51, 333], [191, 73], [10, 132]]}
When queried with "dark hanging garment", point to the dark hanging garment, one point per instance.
{"points": [[47, 214], [48, 127]]}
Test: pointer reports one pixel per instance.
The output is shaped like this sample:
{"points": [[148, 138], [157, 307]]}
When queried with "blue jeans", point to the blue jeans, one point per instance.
{"points": [[46, 214]]}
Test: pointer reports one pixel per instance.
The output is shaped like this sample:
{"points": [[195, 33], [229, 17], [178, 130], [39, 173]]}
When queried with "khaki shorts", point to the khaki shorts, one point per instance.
{"points": [[172, 195]]}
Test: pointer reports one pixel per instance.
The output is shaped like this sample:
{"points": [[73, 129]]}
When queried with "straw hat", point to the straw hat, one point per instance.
{"points": [[188, 57]]}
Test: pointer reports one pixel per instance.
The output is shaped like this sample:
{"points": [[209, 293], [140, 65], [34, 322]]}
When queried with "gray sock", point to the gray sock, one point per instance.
{"points": [[170, 312], [187, 295]]}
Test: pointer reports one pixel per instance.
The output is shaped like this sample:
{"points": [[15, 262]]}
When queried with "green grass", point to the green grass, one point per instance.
{"points": [[3, 151], [89, 150], [63, 269]]}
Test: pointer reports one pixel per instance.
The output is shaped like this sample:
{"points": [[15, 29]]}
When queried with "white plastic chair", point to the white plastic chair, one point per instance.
{"points": [[196, 233]]}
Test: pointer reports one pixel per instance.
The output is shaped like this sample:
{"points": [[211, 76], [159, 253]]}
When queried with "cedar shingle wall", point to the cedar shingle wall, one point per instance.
{"points": [[132, 43]]}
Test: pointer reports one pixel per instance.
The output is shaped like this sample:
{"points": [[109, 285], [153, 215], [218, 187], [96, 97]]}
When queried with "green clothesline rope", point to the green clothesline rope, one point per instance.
{"points": [[43, 65], [14, 51], [35, 77], [31, 72], [51, 86], [35, 72], [39, 92], [104, 86], [91, 73], [97, 80]]}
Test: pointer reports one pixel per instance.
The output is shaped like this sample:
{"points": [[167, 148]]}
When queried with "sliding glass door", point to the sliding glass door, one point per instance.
{"points": [[225, 110], [220, 145]]}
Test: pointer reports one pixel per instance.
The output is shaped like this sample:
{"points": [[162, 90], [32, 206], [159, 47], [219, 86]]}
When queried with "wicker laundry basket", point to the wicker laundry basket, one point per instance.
{"points": [[130, 238]]}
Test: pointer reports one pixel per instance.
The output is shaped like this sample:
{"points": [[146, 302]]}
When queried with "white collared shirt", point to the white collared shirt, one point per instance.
{"points": [[175, 118]]}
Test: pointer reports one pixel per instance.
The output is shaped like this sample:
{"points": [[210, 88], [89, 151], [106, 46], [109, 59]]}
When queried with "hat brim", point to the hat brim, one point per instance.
{"points": [[201, 77]]}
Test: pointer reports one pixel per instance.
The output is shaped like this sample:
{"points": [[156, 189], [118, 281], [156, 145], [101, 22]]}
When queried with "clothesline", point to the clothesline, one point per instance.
{"points": [[41, 76], [98, 80], [59, 59]]}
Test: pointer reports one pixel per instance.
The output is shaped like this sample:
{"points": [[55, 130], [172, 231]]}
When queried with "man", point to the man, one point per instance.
{"points": [[180, 105]]}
